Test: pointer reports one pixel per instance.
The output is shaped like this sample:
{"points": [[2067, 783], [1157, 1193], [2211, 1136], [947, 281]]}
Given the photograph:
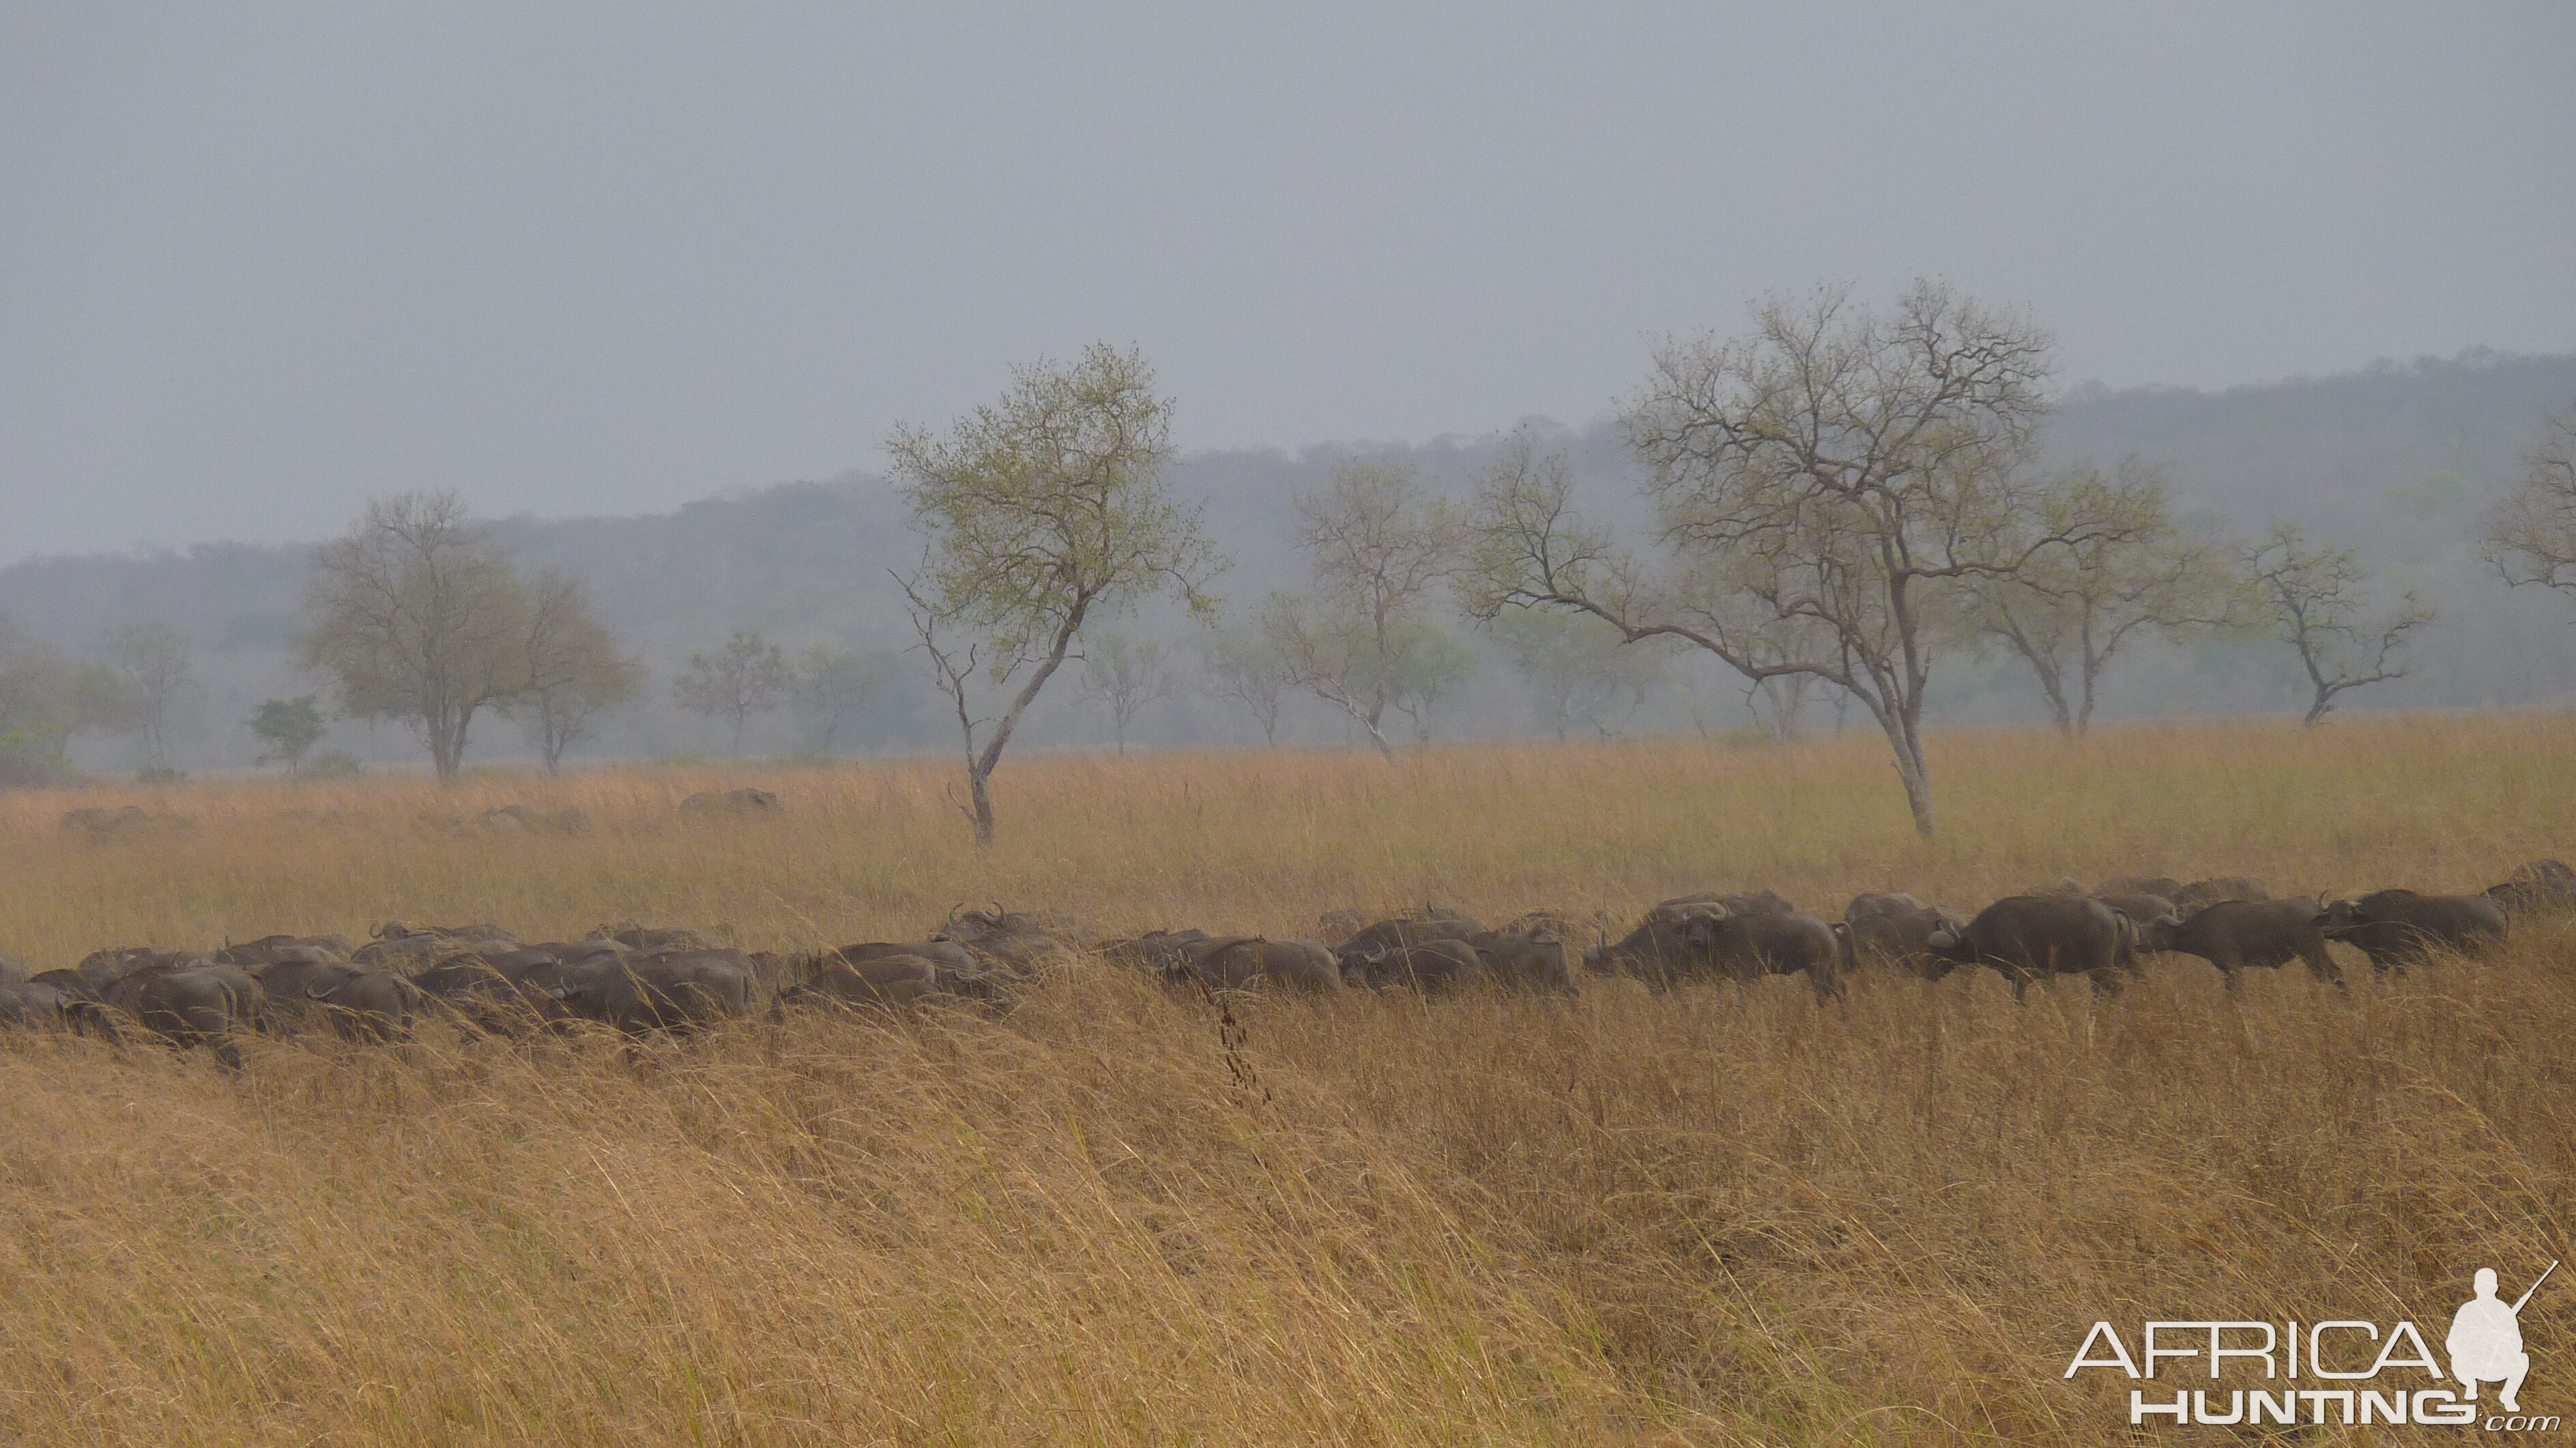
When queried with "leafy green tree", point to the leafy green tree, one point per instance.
{"points": [[2531, 536], [748, 676], [1378, 548], [1247, 670], [836, 694], [1126, 674], [152, 661], [1823, 488], [1037, 511], [1579, 670], [290, 728], [2318, 601], [46, 698], [418, 616], [2116, 568], [576, 668]]}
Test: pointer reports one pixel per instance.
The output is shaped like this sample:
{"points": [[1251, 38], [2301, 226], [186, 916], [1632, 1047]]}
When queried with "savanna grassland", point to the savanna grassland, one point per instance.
{"points": [[1723, 1215]]}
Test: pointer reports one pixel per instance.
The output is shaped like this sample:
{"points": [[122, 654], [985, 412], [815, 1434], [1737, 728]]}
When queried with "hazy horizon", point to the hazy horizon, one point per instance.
{"points": [[262, 263]]}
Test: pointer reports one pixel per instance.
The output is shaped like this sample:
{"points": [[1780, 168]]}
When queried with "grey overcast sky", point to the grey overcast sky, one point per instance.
{"points": [[260, 262]]}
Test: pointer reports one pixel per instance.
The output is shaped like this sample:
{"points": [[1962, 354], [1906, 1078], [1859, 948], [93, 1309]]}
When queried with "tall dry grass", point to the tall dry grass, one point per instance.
{"points": [[1716, 1216]]}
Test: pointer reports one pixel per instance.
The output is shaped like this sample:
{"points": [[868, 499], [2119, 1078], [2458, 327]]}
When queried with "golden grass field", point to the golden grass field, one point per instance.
{"points": [[1720, 1216]]}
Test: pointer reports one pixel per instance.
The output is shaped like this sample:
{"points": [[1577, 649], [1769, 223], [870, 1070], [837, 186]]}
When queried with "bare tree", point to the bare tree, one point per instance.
{"points": [[1248, 669], [153, 661], [418, 616], [1823, 489], [2117, 568], [1126, 674], [1378, 547], [1038, 510], [576, 671], [2531, 535], [747, 676], [2315, 598]]}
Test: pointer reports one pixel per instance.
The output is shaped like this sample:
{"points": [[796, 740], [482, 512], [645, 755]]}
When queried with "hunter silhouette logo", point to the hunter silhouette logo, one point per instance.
{"points": [[2363, 1375], [2486, 1340]]}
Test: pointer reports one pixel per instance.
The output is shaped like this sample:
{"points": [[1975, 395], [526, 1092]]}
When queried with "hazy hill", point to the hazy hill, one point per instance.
{"points": [[2397, 461]]}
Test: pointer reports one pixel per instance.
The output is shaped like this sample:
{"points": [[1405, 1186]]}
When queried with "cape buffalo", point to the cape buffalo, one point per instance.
{"points": [[1386, 935], [1748, 947], [1664, 948], [1891, 929], [2542, 887], [2153, 917], [1429, 966], [2201, 893], [680, 991], [1238, 961], [1531, 960], [2236, 934], [880, 980], [190, 1005], [2400, 927], [2031, 936]]}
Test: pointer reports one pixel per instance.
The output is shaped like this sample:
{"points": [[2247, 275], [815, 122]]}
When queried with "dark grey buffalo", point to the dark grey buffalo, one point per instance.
{"points": [[1665, 947], [1892, 928], [2542, 887], [191, 1003], [2200, 894], [2031, 937], [962, 971], [1011, 938], [2397, 928], [1429, 966], [252, 955], [360, 1002], [879, 980], [1749, 947], [1528, 959], [47, 1005], [678, 991], [2153, 917], [1159, 953], [1376, 941], [2235, 935], [1233, 962], [498, 994]]}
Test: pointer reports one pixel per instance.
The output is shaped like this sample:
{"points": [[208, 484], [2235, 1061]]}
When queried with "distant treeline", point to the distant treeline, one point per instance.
{"points": [[2399, 463]]}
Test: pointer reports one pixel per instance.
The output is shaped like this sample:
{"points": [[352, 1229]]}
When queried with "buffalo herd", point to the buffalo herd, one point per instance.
{"points": [[635, 980]]}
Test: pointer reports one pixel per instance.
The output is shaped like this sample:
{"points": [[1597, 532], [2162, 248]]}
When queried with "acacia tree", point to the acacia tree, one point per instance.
{"points": [[1248, 669], [418, 616], [1823, 489], [832, 689], [1378, 547], [2118, 568], [576, 671], [748, 676], [1126, 674], [290, 728], [1577, 671], [2316, 598], [152, 659], [1038, 510], [2531, 535]]}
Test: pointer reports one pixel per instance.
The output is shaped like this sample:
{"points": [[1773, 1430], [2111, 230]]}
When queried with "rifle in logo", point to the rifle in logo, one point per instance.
{"points": [[2486, 1340]]}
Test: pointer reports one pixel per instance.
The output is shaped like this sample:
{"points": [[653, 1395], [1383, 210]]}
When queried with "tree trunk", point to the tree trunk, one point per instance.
{"points": [[979, 787], [1911, 768]]}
